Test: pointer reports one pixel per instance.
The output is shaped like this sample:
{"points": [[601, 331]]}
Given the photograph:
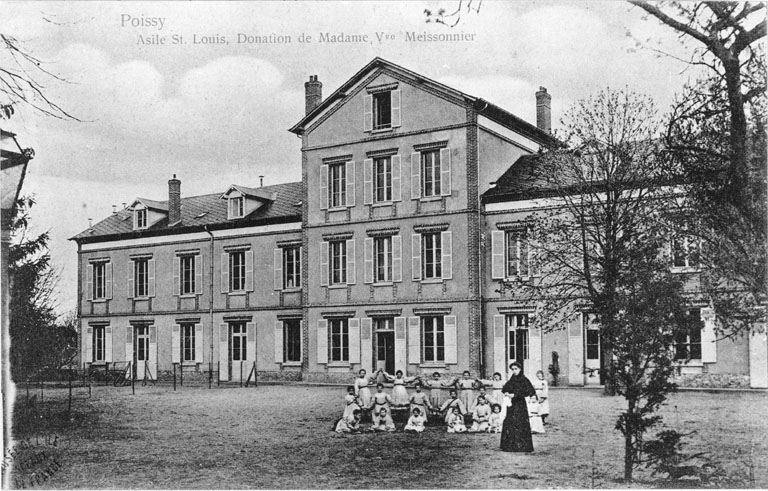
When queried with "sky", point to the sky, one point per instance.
{"points": [[216, 111]]}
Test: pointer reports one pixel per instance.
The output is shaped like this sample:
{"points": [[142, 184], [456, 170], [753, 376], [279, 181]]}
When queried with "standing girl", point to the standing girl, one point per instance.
{"points": [[436, 392], [516, 430], [400, 397], [361, 387], [420, 401], [542, 392], [466, 387], [352, 403]]}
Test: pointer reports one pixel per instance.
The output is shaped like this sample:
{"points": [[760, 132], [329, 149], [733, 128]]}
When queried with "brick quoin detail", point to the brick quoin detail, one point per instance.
{"points": [[473, 243], [304, 256]]}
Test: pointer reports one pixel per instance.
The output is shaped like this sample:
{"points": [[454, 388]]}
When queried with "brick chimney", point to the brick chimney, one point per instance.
{"points": [[544, 110], [174, 200], [313, 91]]}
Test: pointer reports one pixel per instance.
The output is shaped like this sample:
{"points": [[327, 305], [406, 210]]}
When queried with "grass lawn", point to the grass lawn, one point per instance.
{"points": [[280, 437]]}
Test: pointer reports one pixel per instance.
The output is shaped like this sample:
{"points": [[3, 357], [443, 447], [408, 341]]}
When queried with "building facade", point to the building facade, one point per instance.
{"points": [[385, 255]]}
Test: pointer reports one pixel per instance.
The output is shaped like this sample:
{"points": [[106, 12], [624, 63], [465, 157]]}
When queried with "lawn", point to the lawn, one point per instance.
{"points": [[280, 437]]}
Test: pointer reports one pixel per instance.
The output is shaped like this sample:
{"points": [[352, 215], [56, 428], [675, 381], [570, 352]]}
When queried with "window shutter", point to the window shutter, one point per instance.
{"points": [[534, 348], [416, 256], [279, 342], [322, 341], [108, 344], [129, 343], [401, 348], [324, 253], [414, 340], [396, 117], [497, 255], [366, 344], [368, 112], [415, 175], [88, 342], [324, 187], [152, 362], [351, 273], [397, 258], [108, 281], [575, 351], [499, 345], [198, 343], [131, 273], [354, 340], [250, 348], [223, 351], [176, 344], [447, 259], [451, 354], [350, 183], [368, 259], [151, 277], [708, 336], [89, 282], [199, 274], [396, 179], [176, 275], [225, 273], [278, 271], [249, 271], [368, 181], [445, 171]]}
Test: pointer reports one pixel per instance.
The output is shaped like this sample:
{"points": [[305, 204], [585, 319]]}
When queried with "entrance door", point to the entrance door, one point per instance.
{"points": [[385, 351], [592, 360], [238, 352], [517, 341], [143, 359]]}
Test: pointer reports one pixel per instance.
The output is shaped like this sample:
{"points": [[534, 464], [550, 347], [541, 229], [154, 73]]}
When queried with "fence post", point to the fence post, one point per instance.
{"points": [[241, 373], [255, 376], [174, 377], [69, 406], [41, 390], [218, 374], [181, 373], [133, 380], [210, 374]]}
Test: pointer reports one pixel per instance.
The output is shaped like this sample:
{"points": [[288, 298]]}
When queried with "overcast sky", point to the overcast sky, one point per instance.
{"points": [[217, 114]]}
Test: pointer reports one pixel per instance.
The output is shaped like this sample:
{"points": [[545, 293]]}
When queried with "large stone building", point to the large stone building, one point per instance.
{"points": [[387, 254]]}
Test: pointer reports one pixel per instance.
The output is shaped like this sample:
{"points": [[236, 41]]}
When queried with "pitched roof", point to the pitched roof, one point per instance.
{"points": [[522, 180], [198, 212], [258, 193], [485, 108], [152, 204]]}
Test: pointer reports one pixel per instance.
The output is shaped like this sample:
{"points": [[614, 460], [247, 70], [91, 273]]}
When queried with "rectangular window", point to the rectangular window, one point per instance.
{"points": [[593, 344], [141, 275], [187, 275], [236, 207], [237, 271], [433, 336], [432, 255], [141, 218], [142, 343], [685, 251], [99, 281], [238, 341], [291, 267], [382, 110], [382, 179], [382, 259], [338, 330], [338, 263], [99, 343], [430, 173], [517, 253], [517, 328], [337, 183], [688, 340], [292, 340], [187, 342]]}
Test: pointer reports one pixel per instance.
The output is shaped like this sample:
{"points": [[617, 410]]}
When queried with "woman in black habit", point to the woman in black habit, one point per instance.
{"points": [[516, 431]]}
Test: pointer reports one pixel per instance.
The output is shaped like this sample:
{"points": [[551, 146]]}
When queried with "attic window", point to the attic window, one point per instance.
{"points": [[236, 207], [382, 110], [140, 217]]}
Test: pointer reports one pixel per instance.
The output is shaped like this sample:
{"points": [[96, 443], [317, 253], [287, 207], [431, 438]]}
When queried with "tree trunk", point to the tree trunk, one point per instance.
{"points": [[629, 455]]}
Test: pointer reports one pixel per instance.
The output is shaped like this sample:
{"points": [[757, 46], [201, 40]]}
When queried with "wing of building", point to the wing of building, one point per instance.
{"points": [[385, 255]]}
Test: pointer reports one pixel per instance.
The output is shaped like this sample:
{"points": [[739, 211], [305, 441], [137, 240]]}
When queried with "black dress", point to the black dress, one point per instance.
{"points": [[516, 431]]}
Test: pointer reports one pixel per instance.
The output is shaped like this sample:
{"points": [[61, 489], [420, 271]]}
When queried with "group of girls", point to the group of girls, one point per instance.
{"points": [[468, 408]]}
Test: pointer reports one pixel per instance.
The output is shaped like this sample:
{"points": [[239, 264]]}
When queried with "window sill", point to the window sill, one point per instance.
{"points": [[99, 300], [188, 295], [337, 287], [237, 293], [190, 363], [428, 199], [376, 131], [685, 269], [143, 297], [433, 365], [338, 209], [291, 290], [518, 278], [100, 363], [383, 283], [692, 363], [293, 364], [338, 364], [382, 204], [431, 281]]}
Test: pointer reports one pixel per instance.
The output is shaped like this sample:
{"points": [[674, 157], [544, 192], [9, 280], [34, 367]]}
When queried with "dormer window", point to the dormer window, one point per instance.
{"points": [[140, 217], [236, 207]]}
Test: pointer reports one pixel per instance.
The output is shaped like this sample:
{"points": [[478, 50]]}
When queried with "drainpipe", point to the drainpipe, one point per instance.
{"points": [[210, 303]]}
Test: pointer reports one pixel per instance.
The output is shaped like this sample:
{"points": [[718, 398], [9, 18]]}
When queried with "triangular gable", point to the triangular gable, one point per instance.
{"points": [[150, 204], [255, 193]]}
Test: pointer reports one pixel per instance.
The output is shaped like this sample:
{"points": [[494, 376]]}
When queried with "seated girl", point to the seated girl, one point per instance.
{"points": [[382, 421], [456, 421], [349, 424], [415, 422]]}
